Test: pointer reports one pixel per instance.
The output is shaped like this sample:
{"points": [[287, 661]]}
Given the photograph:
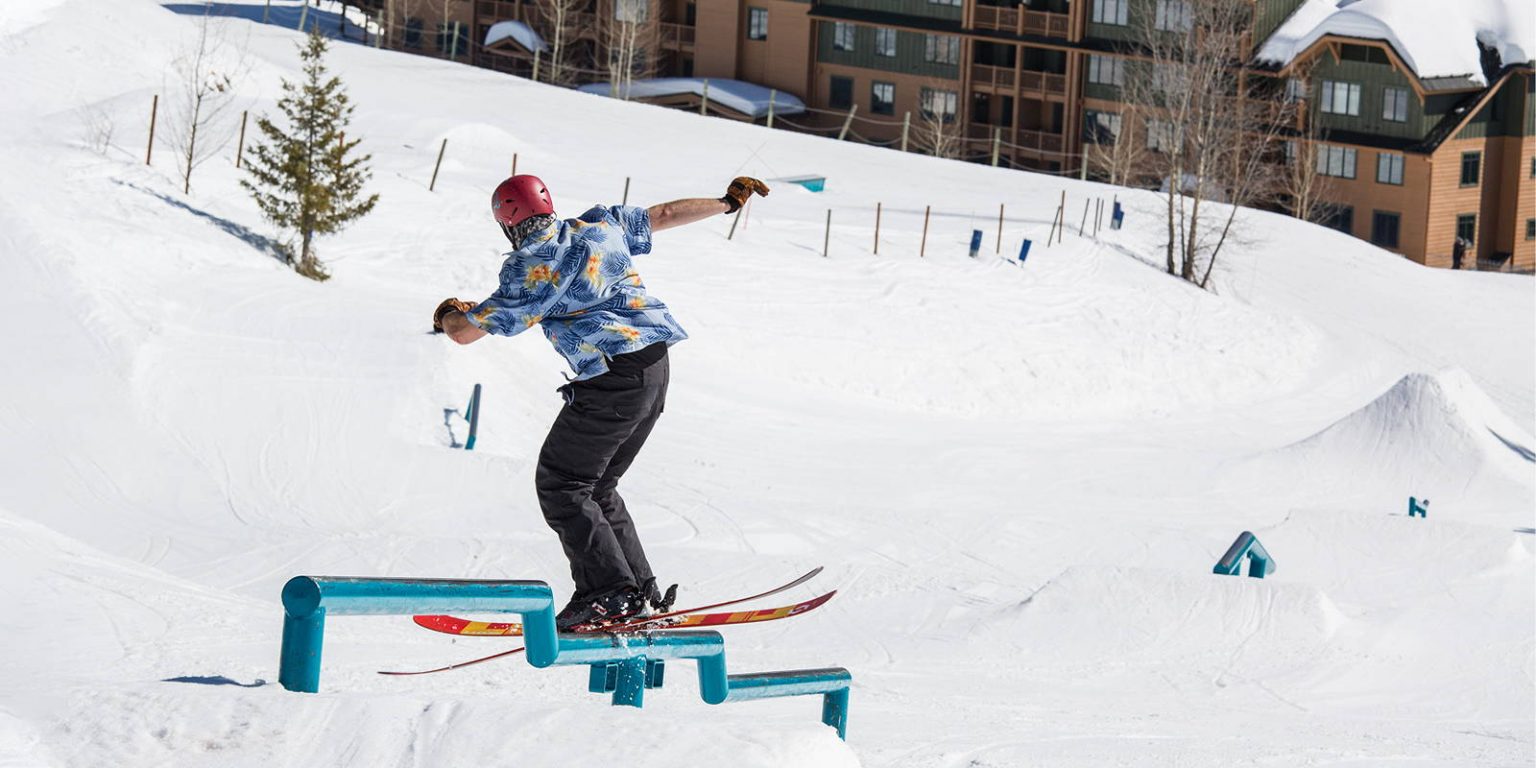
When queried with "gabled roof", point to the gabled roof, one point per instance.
{"points": [[1439, 42]]}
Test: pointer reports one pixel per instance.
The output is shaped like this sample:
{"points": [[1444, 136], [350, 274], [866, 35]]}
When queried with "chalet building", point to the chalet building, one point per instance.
{"points": [[1418, 161]]}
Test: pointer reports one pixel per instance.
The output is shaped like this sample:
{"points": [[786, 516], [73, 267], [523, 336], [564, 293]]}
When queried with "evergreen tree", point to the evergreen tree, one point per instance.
{"points": [[303, 179]]}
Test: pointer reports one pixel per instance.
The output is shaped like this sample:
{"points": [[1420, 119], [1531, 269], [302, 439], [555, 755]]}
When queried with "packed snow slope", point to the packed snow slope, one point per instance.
{"points": [[1019, 476]]}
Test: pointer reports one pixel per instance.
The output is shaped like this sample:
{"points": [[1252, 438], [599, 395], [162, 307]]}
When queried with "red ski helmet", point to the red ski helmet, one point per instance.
{"points": [[519, 198]]}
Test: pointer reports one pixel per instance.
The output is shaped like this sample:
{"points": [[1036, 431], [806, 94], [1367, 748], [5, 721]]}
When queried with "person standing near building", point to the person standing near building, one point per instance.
{"points": [[576, 280]]}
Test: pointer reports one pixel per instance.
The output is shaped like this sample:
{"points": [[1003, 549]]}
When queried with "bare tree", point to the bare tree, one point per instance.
{"points": [[1305, 187], [560, 18], [631, 39], [1111, 147], [1211, 137], [98, 128], [203, 92], [938, 127]]}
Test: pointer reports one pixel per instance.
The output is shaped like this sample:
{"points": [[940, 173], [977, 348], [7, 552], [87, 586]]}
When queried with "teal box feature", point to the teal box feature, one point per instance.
{"points": [[1247, 547], [813, 183], [1415, 509]]}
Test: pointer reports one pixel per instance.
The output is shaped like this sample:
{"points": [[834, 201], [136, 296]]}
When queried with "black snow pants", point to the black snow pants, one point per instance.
{"points": [[597, 435]]}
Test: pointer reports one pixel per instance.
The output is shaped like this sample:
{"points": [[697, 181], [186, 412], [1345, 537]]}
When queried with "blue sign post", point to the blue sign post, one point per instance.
{"points": [[1117, 219], [975, 242], [1024, 250]]}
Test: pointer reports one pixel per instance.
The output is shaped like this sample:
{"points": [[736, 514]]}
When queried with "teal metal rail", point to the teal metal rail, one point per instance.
{"points": [[1246, 547], [625, 665]]}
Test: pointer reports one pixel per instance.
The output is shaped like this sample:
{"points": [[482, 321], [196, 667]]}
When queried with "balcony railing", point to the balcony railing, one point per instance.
{"points": [[1022, 21], [1040, 141], [1043, 82], [677, 36], [994, 77]]}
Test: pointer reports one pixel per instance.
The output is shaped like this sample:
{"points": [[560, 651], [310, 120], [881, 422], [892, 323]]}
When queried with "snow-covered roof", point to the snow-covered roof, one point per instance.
{"points": [[1437, 39], [739, 96], [520, 33]]}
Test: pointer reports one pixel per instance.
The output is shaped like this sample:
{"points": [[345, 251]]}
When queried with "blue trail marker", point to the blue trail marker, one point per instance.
{"points": [[975, 242], [1024, 250]]}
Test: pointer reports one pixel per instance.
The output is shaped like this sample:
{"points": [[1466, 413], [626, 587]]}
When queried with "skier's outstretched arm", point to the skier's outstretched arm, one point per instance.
{"points": [[690, 210]]}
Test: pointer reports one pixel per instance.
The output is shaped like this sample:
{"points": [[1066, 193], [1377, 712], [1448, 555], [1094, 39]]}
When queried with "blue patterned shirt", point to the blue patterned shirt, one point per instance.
{"points": [[576, 279]]}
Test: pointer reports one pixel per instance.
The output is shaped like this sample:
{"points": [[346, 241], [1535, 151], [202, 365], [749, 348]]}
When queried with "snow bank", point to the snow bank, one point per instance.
{"points": [[1435, 39]]}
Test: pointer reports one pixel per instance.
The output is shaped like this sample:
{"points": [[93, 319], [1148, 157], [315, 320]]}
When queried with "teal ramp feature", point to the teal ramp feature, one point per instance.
{"points": [[1247, 546]]}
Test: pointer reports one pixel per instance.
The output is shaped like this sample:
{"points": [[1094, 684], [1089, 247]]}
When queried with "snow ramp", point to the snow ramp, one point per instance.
{"points": [[1430, 435]]}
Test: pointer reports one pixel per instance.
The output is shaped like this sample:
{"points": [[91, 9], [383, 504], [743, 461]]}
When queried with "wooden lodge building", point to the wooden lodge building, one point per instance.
{"points": [[1417, 163]]}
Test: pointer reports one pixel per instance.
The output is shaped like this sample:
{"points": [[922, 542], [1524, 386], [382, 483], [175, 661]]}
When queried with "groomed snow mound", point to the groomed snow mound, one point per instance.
{"points": [[1127, 620], [1436, 432]]}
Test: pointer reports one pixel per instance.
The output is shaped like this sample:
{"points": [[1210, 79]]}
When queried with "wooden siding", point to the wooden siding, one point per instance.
{"points": [[1373, 80], [909, 59], [1269, 15], [783, 60]]}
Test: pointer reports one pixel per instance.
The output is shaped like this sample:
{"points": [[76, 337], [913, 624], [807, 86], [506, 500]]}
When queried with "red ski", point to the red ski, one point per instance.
{"points": [[453, 625], [667, 621]]}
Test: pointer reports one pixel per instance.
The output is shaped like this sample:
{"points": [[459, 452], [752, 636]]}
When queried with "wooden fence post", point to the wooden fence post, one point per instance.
{"points": [[453, 47], [514, 163], [906, 129], [704, 102], [1084, 222], [826, 242], [997, 144], [847, 123], [266, 11], [303, 15], [877, 229], [433, 186], [537, 58], [734, 222], [240, 147], [773, 96], [1000, 228], [154, 109], [626, 191], [1061, 216], [922, 249]]}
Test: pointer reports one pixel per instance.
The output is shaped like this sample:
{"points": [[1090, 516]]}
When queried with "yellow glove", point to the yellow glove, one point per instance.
{"points": [[741, 188], [448, 305]]}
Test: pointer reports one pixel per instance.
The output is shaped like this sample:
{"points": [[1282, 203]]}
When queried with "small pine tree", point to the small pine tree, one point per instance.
{"points": [[304, 179]]}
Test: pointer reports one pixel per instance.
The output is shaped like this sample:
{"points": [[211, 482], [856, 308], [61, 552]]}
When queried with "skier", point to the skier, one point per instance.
{"points": [[575, 278]]}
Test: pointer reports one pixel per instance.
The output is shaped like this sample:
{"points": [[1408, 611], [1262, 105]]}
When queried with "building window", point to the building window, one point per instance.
{"points": [[955, 3], [757, 23], [1100, 127], [1106, 70], [1530, 229], [1341, 218], [1295, 90], [1341, 98], [1159, 135], [841, 95], [882, 98], [1389, 168], [1173, 15], [1466, 227], [842, 36], [941, 49], [940, 104], [1336, 161], [447, 45], [1384, 227], [1471, 166], [1394, 104], [885, 42], [1111, 12]]}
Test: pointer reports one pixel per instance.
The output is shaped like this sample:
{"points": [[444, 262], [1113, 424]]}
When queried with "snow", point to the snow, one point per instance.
{"points": [[520, 33], [747, 98], [1433, 38], [1018, 477]]}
